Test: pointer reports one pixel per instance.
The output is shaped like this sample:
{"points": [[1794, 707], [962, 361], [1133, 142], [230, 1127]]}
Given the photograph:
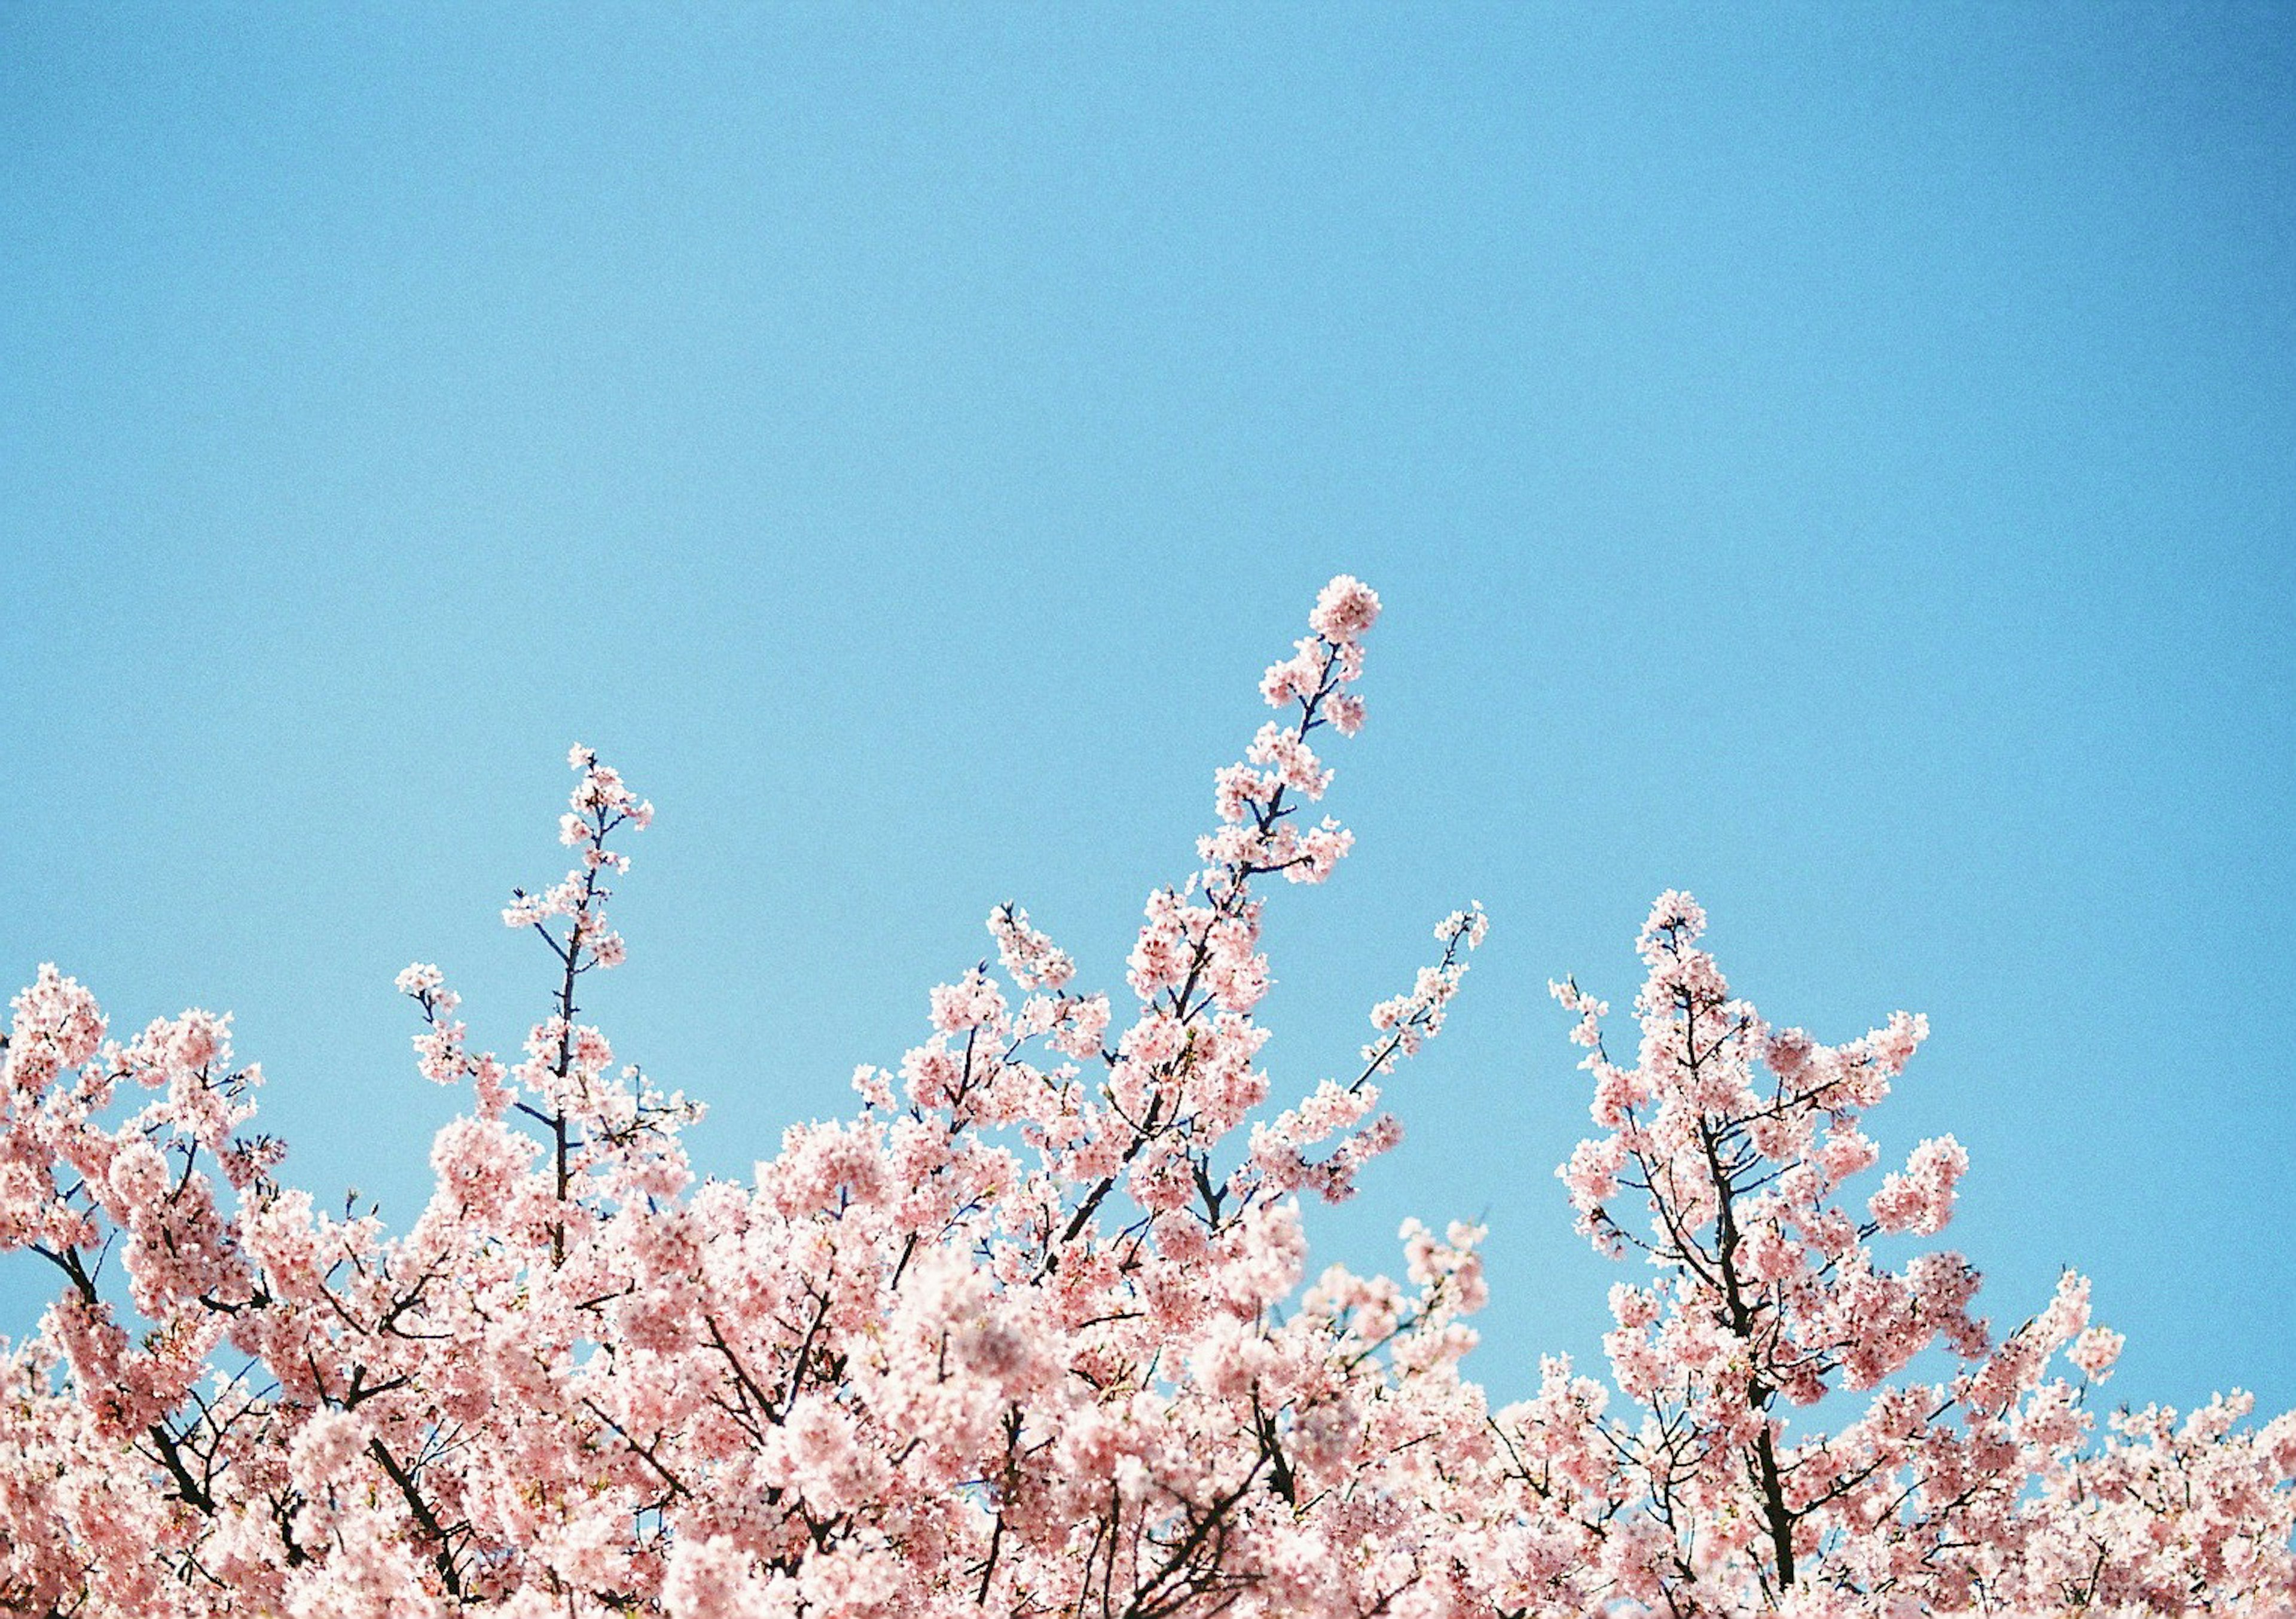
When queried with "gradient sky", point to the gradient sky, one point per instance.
{"points": [[1838, 459]]}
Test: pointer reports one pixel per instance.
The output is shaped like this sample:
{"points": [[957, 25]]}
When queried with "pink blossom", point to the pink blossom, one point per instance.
{"points": [[2095, 1351], [1345, 608]]}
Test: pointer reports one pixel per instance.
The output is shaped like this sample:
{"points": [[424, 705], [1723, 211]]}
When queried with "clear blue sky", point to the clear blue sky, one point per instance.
{"points": [[1835, 459]]}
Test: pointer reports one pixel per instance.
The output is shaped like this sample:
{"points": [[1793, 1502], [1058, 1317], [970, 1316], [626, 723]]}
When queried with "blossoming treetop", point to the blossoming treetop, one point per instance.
{"points": [[1027, 1335]]}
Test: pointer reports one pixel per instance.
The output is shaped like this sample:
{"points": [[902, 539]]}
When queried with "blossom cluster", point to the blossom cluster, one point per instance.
{"points": [[1033, 1332]]}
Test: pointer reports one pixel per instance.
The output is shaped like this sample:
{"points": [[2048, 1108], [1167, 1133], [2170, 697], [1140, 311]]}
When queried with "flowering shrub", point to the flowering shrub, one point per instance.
{"points": [[1027, 1335]]}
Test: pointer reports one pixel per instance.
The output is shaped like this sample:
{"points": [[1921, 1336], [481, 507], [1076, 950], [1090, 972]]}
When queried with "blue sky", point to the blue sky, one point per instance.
{"points": [[1838, 459]]}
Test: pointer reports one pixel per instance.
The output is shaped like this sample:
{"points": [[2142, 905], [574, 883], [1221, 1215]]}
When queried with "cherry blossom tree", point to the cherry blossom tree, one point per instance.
{"points": [[1726, 1150], [1032, 1332]]}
